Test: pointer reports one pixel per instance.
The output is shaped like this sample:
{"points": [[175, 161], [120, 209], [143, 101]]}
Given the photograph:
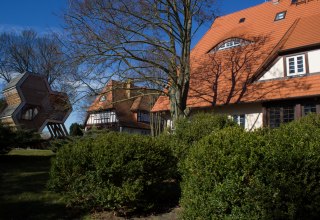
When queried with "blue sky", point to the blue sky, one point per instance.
{"points": [[46, 15]]}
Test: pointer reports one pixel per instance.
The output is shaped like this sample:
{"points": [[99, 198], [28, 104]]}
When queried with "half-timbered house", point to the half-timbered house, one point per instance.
{"points": [[260, 65], [123, 107]]}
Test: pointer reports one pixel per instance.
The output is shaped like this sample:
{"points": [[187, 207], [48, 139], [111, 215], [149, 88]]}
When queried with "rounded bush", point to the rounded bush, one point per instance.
{"points": [[268, 174], [113, 171]]}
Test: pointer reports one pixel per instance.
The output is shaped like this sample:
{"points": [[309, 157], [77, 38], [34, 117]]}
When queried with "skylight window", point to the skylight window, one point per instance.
{"points": [[280, 16], [242, 20]]}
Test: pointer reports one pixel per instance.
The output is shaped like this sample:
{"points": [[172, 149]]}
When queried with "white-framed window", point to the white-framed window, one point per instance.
{"points": [[105, 117], [296, 65], [240, 120]]}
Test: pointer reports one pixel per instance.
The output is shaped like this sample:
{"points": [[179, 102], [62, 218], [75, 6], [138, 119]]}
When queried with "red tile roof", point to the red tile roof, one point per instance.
{"points": [[300, 28]]}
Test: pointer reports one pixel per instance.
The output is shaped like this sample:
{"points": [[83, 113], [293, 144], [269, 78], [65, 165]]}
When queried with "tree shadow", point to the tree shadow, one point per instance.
{"points": [[232, 76], [23, 191]]}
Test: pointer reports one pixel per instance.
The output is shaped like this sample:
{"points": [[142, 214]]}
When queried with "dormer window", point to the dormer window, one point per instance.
{"points": [[280, 16], [296, 65], [229, 43]]}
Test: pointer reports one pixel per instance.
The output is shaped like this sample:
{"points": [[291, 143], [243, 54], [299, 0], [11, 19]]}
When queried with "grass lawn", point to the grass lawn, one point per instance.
{"points": [[23, 193]]}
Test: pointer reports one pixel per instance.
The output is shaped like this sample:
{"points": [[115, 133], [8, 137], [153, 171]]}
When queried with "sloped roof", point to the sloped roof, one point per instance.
{"points": [[306, 33], [300, 28], [108, 103], [142, 103], [116, 97]]}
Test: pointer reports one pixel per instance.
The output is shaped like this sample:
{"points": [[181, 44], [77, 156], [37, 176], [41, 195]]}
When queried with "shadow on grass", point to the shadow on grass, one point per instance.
{"points": [[23, 193], [164, 197], [32, 210]]}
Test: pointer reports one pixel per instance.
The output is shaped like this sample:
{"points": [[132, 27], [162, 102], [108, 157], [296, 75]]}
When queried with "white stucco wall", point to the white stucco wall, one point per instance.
{"points": [[252, 112], [276, 71], [314, 61]]}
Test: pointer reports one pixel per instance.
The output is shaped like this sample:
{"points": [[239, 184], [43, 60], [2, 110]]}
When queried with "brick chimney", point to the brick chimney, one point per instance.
{"points": [[129, 87]]}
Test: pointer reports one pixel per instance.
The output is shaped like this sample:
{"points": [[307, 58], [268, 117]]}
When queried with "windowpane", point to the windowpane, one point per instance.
{"points": [[239, 119], [143, 116], [296, 65], [274, 117], [29, 114], [280, 16], [288, 114], [310, 108]]}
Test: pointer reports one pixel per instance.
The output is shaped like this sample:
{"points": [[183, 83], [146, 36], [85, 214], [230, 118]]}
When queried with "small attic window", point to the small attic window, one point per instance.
{"points": [[242, 20], [102, 98], [229, 43], [280, 16]]}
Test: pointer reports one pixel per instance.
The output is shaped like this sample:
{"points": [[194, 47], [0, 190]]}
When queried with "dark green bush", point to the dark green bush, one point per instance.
{"points": [[275, 174], [18, 138], [24, 138], [193, 129], [113, 171], [76, 129], [6, 138]]}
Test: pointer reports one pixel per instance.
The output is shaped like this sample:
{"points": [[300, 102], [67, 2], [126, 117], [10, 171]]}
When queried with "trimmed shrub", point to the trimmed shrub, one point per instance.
{"points": [[193, 129], [113, 171], [268, 174]]}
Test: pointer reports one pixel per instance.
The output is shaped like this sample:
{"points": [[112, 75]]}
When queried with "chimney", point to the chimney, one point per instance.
{"points": [[129, 87], [275, 1]]}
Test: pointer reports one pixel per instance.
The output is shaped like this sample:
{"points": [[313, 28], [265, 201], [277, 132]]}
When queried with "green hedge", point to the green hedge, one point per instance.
{"points": [[113, 171], [193, 129], [268, 174]]}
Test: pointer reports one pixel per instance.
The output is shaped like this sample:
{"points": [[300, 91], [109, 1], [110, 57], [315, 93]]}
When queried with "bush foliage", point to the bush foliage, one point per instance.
{"points": [[267, 174], [227, 173], [21, 138], [113, 171], [76, 129]]}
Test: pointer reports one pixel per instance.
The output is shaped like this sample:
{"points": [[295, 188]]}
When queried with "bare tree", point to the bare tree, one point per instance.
{"points": [[145, 40], [28, 52]]}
